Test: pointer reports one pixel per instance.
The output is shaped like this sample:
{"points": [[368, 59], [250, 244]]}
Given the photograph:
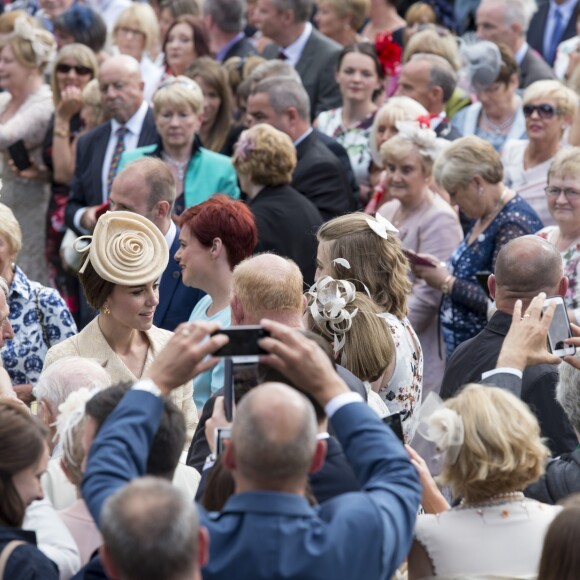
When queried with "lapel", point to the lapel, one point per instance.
{"points": [[307, 61], [96, 150], [169, 281], [148, 133]]}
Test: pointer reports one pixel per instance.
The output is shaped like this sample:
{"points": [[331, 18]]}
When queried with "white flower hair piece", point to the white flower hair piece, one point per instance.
{"points": [[425, 139], [381, 226], [70, 414], [329, 298], [442, 426], [341, 262], [43, 51]]}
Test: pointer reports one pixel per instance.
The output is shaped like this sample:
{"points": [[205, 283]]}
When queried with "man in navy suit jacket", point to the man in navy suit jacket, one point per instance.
{"points": [[267, 529], [147, 187]]}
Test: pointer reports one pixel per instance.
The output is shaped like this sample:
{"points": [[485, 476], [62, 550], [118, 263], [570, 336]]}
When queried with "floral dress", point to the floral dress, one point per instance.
{"points": [[354, 139]]}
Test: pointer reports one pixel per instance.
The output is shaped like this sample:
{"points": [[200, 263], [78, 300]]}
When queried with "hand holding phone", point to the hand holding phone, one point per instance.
{"points": [[417, 260], [19, 154], [559, 329], [243, 344]]}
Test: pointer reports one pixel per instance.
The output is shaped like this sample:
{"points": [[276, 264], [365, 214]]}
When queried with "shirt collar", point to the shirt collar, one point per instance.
{"points": [[170, 235], [521, 53], [20, 284], [566, 8], [135, 123], [221, 53], [293, 52], [302, 137]]}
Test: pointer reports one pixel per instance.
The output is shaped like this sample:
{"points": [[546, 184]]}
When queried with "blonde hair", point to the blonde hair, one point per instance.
{"points": [[420, 13], [92, 98], [239, 69], [399, 147], [10, 229], [142, 17], [429, 42], [179, 92], [375, 262], [270, 158], [358, 10], [368, 348], [565, 162], [73, 452], [502, 450], [25, 52], [464, 159], [80, 54], [566, 99]]}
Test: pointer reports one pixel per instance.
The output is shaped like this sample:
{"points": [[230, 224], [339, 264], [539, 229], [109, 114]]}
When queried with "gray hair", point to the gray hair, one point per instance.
{"points": [[150, 531], [516, 11], [285, 92], [568, 393], [302, 8], [273, 68], [157, 176], [227, 14], [4, 287], [442, 73], [67, 375]]}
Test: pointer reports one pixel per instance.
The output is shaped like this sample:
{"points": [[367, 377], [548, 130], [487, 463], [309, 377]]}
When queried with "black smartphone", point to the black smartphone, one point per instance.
{"points": [[482, 277], [243, 342], [395, 422], [19, 154], [239, 378]]}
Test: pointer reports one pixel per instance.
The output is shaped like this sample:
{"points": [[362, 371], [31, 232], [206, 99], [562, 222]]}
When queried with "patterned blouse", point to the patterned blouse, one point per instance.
{"points": [[354, 139], [464, 311], [40, 319]]}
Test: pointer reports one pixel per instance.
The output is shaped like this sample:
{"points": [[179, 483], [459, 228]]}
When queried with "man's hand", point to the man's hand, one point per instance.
{"points": [[526, 342], [216, 421], [302, 361], [182, 359]]}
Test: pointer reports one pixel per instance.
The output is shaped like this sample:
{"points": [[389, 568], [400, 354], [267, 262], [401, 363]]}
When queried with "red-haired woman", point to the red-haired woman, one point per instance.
{"points": [[215, 237], [186, 40]]}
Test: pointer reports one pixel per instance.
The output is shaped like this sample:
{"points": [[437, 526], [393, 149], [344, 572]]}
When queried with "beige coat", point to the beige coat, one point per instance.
{"points": [[90, 343]]}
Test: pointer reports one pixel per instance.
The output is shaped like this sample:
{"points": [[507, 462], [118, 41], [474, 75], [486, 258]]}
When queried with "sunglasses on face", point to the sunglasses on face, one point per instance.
{"points": [[544, 111], [81, 70]]}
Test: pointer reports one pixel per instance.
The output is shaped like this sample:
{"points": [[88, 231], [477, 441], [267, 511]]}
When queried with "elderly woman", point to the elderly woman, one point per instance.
{"points": [[563, 200], [384, 127], [491, 447], [265, 159], [549, 108], [198, 172], [25, 110], [498, 116], [345, 245], [38, 314], [472, 173], [340, 20], [215, 237], [119, 274], [426, 224]]}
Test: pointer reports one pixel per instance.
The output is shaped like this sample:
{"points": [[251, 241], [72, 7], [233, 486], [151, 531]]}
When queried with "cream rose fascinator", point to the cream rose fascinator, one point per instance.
{"points": [[126, 249]]}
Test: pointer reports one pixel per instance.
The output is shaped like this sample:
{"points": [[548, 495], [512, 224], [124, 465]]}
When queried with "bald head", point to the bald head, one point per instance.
{"points": [[526, 266], [274, 435], [267, 286]]}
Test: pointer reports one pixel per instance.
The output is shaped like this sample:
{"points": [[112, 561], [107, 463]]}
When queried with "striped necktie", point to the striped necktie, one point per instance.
{"points": [[119, 148]]}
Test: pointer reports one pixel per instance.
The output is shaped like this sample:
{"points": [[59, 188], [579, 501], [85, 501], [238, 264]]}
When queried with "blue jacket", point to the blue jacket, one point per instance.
{"points": [[26, 562], [272, 535]]}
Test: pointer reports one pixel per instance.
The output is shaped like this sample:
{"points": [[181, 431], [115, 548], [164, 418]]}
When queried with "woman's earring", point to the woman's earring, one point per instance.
{"points": [[106, 310]]}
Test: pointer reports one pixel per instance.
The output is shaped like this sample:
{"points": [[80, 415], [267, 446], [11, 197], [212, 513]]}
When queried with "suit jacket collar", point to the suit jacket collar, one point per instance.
{"points": [[169, 280], [499, 323], [268, 503], [309, 54], [303, 146]]}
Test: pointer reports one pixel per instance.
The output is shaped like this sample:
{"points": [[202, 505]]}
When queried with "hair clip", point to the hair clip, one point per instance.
{"points": [[381, 225]]}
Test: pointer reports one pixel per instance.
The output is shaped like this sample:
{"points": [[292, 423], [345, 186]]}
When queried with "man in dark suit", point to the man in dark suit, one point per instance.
{"points": [[224, 20], [283, 103], [131, 125], [313, 55], [147, 187], [508, 22], [431, 80], [553, 22], [267, 529], [524, 267]]}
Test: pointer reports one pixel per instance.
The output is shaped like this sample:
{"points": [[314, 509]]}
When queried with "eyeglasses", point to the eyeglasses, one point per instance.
{"points": [[544, 111], [133, 31], [81, 70], [569, 194]]}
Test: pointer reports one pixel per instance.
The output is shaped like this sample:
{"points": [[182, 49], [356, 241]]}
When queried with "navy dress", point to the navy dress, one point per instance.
{"points": [[464, 311]]}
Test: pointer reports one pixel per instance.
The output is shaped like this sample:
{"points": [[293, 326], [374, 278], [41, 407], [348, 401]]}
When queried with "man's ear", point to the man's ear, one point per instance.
{"points": [[237, 311], [437, 94], [162, 208], [563, 286], [491, 285], [110, 568], [228, 456], [319, 456]]}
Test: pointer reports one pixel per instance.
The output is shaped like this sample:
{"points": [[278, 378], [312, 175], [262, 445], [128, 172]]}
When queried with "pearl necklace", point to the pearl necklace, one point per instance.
{"points": [[494, 500], [178, 165], [499, 128]]}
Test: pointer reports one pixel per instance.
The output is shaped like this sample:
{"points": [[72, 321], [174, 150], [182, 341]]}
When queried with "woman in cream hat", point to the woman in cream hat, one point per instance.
{"points": [[119, 274]]}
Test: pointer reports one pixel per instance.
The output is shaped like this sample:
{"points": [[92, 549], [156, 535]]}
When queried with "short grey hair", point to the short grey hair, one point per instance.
{"points": [[285, 92], [302, 8], [516, 11], [67, 375], [150, 531], [568, 393], [4, 287], [273, 68], [227, 14], [442, 73]]}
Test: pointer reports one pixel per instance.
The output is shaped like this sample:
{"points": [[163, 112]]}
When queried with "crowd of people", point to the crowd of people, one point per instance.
{"points": [[384, 193]]}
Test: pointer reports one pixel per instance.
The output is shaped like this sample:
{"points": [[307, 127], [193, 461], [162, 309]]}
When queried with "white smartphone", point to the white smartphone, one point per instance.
{"points": [[559, 328]]}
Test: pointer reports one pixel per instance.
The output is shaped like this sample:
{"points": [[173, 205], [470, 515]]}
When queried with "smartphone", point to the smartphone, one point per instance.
{"points": [[395, 422], [221, 434], [559, 329], [243, 345], [482, 277], [239, 378], [19, 154], [417, 260]]}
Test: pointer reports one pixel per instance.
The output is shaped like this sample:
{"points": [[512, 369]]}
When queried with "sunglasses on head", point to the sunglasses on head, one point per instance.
{"points": [[544, 110], [78, 68]]}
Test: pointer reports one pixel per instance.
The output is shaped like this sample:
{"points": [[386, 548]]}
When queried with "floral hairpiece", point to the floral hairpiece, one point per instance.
{"points": [[245, 146], [381, 225], [43, 51], [70, 415], [328, 301], [388, 52], [424, 138]]}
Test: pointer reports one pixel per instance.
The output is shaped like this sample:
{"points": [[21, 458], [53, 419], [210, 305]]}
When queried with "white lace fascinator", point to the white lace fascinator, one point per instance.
{"points": [[424, 138], [328, 300], [44, 51], [125, 249], [442, 426], [481, 62]]}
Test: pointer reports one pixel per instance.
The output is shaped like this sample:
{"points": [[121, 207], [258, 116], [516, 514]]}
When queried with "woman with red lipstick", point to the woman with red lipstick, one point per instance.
{"points": [[549, 108]]}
